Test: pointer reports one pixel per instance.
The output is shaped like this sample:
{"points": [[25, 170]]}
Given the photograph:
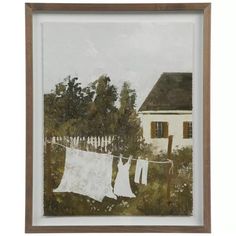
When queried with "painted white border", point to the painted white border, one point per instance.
{"points": [[197, 219]]}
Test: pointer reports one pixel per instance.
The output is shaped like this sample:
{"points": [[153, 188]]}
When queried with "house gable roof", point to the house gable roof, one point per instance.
{"points": [[173, 91]]}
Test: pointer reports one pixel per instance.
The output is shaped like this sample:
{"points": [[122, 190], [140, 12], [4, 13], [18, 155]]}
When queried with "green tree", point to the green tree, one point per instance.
{"points": [[129, 132], [50, 122], [72, 100], [66, 108], [102, 114]]}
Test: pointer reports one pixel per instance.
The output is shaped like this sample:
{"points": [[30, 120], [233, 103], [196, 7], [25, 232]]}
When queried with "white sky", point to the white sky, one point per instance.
{"points": [[134, 52]]}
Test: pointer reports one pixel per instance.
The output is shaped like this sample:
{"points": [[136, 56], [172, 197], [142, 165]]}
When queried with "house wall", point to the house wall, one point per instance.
{"points": [[175, 128]]}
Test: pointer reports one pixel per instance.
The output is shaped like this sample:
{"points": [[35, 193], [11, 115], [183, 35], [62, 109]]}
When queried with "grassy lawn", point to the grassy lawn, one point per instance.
{"points": [[150, 199]]}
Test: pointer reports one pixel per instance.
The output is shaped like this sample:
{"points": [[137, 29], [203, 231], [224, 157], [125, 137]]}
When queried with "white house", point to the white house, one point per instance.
{"points": [[167, 110]]}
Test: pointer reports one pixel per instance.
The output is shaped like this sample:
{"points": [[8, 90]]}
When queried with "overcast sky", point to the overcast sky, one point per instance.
{"points": [[134, 52]]}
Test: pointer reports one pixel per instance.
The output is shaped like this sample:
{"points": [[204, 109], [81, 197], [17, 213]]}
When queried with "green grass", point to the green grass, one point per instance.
{"points": [[150, 199]]}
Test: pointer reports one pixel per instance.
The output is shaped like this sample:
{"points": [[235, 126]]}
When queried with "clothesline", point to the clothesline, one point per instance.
{"points": [[168, 161]]}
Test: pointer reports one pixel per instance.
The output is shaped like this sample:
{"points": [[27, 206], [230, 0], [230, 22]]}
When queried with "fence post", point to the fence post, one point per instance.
{"points": [[109, 142], [99, 142], [77, 141], [105, 140], [95, 144], [88, 144], [169, 175]]}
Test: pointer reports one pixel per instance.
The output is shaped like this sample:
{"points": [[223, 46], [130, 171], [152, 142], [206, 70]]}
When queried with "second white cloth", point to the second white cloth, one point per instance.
{"points": [[122, 183]]}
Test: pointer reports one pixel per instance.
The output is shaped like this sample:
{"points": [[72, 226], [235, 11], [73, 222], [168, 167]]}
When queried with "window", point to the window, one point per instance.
{"points": [[187, 129], [159, 129]]}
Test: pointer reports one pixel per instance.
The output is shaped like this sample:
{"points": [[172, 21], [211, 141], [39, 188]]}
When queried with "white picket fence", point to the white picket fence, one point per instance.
{"points": [[87, 143]]}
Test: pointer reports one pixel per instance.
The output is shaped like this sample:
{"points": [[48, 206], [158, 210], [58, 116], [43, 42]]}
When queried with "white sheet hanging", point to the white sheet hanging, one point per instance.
{"points": [[122, 183], [87, 173], [141, 169]]}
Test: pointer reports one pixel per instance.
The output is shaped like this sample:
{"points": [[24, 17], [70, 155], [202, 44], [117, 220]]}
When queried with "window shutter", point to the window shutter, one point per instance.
{"points": [[165, 131], [190, 127], [153, 129], [185, 129]]}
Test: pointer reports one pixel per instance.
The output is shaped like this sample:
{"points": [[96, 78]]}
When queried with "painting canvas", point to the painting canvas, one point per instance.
{"points": [[117, 118]]}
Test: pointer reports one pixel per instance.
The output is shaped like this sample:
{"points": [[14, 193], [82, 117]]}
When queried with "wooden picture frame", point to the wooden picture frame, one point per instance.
{"points": [[30, 10]]}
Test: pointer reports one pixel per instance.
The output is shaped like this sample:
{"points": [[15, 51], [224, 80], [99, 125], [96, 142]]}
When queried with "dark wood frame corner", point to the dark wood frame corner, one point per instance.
{"points": [[30, 8]]}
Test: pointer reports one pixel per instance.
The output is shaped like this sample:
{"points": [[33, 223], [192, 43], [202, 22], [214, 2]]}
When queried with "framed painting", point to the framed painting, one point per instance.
{"points": [[118, 117]]}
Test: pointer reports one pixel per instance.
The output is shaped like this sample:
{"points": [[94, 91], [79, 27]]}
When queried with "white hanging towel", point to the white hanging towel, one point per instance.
{"points": [[141, 169], [87, 173], [122, 184]]}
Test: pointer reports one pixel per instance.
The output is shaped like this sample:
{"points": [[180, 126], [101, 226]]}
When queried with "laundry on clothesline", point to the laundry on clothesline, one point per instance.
{"points": [[141, 170], [90, 174], [122, 183]]}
